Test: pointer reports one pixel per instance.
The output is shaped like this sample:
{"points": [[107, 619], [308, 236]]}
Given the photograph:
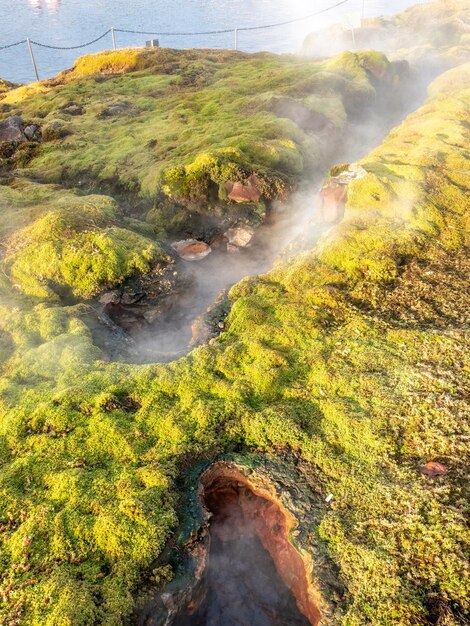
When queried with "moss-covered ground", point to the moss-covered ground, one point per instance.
{"points": [[176, 125], [163, 131], [353, 357]]}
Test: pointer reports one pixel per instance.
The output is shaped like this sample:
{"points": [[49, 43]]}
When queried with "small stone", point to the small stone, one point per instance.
{"points": [[31, 132], [217, 242], [244, 191], [240, 237], [191, 249], [433, 468], [110, 297]]}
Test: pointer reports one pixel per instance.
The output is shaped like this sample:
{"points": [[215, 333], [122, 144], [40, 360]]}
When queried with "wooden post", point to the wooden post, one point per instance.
{"points": [[33, 60], [353, 38], [235, 32], [113, 35]]}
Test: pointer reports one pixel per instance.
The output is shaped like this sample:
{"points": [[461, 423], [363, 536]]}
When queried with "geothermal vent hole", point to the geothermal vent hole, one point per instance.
{"points": [[254, 576]]}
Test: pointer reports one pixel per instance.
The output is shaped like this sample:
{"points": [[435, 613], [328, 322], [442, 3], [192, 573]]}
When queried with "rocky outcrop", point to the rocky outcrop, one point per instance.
{"points": [[15, 136], [241, 507], [240, 565], [211, 323], [331, 200]]}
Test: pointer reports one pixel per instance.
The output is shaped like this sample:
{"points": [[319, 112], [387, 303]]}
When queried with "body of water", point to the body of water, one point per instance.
{"points": [[73, 22]]}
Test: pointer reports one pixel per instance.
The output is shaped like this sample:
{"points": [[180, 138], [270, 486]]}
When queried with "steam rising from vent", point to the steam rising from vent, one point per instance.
{"points": [[165, 328], [253, 575]]}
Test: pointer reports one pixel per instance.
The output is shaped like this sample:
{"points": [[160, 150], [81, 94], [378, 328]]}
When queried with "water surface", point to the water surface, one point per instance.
{"points": [[73, 22]]}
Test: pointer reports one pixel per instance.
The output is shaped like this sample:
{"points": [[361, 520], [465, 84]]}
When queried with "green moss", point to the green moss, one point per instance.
{"points": [[351, 358], [402, 204], [76, 247], [193, 121]]}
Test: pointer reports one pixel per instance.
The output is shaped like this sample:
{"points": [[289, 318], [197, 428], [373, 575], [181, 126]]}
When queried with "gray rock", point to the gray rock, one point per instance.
{"points": [[110, 297], [11, 129], [73, 109], [31, 132], [120, 108]]}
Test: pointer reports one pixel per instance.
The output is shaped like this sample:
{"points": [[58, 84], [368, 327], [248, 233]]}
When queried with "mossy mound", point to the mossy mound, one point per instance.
{"points": [[178, 124], [76, 247], [322, 360], [428, 34]]}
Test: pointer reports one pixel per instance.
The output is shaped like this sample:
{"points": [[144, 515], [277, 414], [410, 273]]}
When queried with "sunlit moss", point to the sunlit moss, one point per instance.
{"points": [[189, 121], [76, 246], [349, 359]]}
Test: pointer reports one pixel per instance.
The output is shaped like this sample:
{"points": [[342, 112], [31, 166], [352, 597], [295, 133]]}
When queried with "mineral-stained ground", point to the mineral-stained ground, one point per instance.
{"points": [[234, 335]]}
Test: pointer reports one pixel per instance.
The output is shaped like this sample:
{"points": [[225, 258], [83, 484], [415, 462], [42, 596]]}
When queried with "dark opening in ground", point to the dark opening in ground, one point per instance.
{"points": [[254, 576]]}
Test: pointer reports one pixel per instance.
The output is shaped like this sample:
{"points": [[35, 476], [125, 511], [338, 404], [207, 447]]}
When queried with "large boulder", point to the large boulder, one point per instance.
{"points": [[11, 129]]}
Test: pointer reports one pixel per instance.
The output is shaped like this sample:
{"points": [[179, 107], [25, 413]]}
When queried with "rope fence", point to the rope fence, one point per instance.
{"points": [[31, 42]]}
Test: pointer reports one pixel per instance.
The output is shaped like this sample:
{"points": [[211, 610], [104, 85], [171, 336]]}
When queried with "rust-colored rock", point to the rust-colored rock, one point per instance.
{"points": [[433, 468], [332, 201], [191, 249], [241, 192], [200, 331]]}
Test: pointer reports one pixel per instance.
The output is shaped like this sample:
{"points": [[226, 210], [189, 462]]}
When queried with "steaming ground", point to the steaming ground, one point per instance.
{"points": [[289, 229], [202, 283], [243, 588]]}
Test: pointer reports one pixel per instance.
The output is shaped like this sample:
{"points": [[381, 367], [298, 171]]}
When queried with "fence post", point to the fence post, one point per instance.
{"points": [[113, 35], [235, 33], [33, 60]]}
